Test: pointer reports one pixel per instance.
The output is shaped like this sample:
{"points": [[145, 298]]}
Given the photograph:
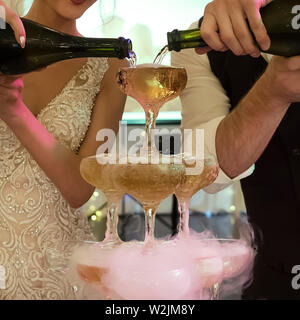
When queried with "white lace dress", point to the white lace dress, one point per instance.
{"points": [[33, 213]]}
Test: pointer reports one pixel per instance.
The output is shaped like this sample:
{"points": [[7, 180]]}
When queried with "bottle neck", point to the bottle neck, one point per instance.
{"points": [[43, 38], [107, 47], [178, 40]]}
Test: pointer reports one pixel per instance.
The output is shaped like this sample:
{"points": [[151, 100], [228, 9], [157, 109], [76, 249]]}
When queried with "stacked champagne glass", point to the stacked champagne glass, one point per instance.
{"points": [[187, 266]]}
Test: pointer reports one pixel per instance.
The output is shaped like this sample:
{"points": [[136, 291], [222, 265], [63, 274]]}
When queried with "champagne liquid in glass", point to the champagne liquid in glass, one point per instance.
{"points": [[152, 86], [206, 171], [101, 176], [149, 184]]}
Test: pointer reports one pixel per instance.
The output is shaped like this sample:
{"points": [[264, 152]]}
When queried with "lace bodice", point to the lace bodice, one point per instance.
{"points": [[33, 213]]}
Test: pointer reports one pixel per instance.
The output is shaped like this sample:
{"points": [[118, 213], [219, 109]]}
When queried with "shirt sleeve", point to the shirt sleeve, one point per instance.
{"points": [[222, 181], [204, 105]]}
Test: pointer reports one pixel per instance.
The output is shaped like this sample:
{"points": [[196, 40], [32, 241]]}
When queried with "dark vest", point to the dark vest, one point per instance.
{"points": [[272, 192]]}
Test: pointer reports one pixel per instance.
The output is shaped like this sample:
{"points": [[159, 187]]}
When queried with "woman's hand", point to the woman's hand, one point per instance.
{"points": [[16, 23], [224, 27], [11, 91], [11, 87]]}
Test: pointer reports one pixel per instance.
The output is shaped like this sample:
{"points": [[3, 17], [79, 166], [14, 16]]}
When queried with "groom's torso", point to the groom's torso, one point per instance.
{"points": [[272, 192]]}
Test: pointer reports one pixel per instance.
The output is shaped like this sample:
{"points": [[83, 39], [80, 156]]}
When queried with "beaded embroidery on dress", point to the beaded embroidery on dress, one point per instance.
{"points": [[33, 213]]}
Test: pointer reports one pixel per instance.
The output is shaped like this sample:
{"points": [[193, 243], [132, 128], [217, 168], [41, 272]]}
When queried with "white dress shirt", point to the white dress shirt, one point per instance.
{"points": [[205, 104]]}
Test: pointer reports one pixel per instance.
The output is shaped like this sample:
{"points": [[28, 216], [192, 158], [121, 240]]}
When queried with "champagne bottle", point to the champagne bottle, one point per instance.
{"points": [[281, 19], [45, 46]]}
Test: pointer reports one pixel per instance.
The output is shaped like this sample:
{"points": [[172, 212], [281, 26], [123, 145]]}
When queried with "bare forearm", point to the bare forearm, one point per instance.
{"points": [[244, 134], [60, 164]]}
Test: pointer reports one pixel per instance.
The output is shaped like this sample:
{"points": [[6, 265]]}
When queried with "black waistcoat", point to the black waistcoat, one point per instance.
{"points": [[272, 192]]}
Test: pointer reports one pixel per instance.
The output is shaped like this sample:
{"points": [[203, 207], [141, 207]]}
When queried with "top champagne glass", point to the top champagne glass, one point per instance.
{"points": [[152, 86]]}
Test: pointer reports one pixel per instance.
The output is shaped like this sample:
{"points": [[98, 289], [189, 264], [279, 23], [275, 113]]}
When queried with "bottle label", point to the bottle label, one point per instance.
{"points": [[2, 278]]}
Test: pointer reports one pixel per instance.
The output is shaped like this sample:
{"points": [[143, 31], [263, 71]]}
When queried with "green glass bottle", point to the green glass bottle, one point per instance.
{"points": [[281, 19], [45, 46]]}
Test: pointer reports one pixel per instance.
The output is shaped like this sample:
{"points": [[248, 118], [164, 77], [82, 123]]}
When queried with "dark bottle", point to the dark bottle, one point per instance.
{"points": [[45, 46], [281, 19]]}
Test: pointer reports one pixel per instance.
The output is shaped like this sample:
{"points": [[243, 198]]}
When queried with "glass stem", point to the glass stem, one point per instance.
{"points": [[150, 124], [216, 292], [111, 234], [184, 216], [150, 213]]}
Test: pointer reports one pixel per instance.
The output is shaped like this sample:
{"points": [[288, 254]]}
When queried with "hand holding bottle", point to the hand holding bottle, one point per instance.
{"points": [[11, 87], [224, 26]]}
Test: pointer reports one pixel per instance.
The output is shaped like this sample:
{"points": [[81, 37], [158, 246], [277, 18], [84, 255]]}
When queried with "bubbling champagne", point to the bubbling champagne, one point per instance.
{"points": [[101, 176], [206, 172], [192, 183], [149, 183], [152, 85]]}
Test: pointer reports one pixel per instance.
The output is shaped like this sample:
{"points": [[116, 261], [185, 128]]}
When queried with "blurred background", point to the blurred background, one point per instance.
{"points": [[146, 23]]}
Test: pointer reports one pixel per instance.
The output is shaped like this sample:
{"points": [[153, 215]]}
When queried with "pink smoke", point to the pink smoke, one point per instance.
{"points": [[175, 269]]}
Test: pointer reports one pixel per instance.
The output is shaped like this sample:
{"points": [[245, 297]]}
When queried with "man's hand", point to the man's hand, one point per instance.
{"points": [[224, 27], [245, 133], [281, 81]]}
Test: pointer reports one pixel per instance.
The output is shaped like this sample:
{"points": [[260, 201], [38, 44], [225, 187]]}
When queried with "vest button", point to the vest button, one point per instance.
{"points": [[296, 152]]}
